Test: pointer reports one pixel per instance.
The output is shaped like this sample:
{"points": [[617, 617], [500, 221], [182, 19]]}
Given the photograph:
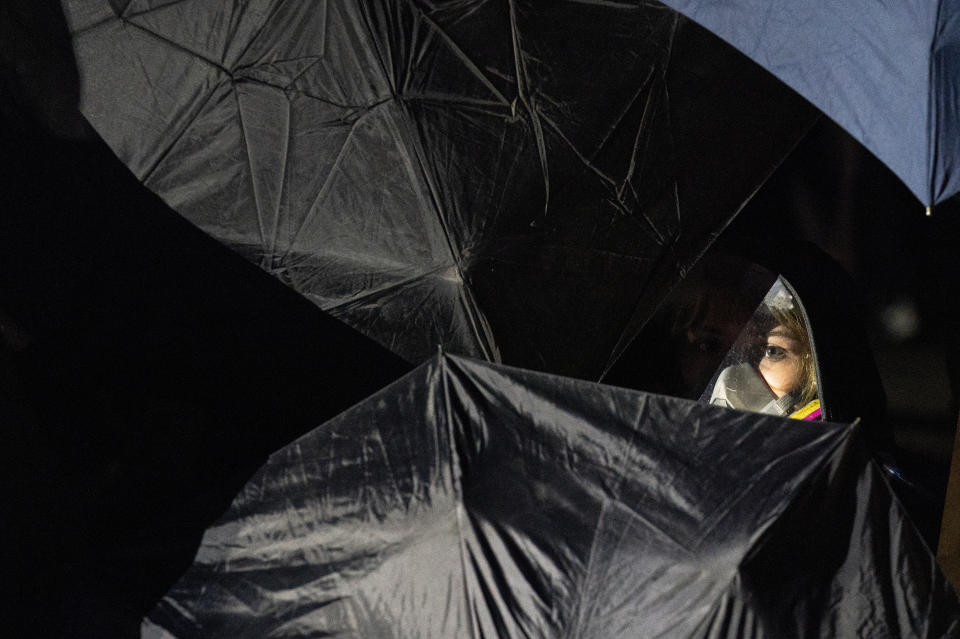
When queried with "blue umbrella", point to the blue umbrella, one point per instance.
{"points": [[888, 72]]}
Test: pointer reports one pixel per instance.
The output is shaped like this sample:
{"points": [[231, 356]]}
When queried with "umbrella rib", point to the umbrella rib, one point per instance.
{"points": [[473, 104], [314, 58], [467, 62], [500, 195], [476, 318], [253, 181], [640, 417], [641, 314], [146, 11], [478, 323], [411, 54], [387, 77], [583, 158], [126, 5], [283, 181], [302, 72], [322, 191], [95, 25], [761, 534], [179, 47], [263, 25], [591, 558], [312, 96], [481, 326], [457, 479], [603, 176], [385, 290], [623, 113], [529, 102], [312, 211], [644, 121], [148, 174]]}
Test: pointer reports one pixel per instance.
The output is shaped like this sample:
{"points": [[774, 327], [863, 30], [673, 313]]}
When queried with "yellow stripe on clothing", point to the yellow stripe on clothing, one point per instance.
{"points": [[806, 410]]}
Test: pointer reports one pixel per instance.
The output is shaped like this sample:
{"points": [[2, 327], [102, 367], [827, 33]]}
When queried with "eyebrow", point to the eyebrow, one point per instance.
{"points": [[783, 333]]}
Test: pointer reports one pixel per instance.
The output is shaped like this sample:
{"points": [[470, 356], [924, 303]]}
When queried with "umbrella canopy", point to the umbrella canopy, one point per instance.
{"points": [[888, 72], [474, 500], [505, 179]]}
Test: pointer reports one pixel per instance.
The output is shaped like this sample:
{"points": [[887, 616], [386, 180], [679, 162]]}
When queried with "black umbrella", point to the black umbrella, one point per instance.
{"points": [[511, 180], [474, 500]]}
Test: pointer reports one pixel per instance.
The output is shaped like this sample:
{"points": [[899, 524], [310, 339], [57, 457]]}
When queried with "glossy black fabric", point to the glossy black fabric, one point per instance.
{"points": [[473, 500], [517, 181]]}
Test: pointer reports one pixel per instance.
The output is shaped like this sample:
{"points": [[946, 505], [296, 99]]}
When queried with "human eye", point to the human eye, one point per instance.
{"points": [[774, 353]]}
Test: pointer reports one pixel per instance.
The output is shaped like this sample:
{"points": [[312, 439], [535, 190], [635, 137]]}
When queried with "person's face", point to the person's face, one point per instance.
{"points": [[780, 365]]}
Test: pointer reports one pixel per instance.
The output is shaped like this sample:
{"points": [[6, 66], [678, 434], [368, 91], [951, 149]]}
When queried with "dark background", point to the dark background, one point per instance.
{"points": [[101, 419], [834, 193]]}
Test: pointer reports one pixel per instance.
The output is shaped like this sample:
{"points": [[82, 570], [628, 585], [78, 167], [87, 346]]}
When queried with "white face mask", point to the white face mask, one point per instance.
{"points": [[741, 387]]}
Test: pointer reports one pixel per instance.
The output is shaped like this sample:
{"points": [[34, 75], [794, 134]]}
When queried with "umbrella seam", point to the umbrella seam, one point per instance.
{"points": [[302, 72], [408, 63], [322, 191], [474, 104], [387, 77], [79, 33], [384, 290], [626, 109], [461, 54], [245, 146], [176, 45], [149, 173], [124, 16], [284, 192], [484, 338], [632, 447], [839, 449], [260, 29], [356, 107], [529, 102], [444, 371], [634, 325]]}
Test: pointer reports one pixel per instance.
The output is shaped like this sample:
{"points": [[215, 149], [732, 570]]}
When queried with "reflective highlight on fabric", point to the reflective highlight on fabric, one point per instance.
{"points": [[503, 179], [474, 500]]}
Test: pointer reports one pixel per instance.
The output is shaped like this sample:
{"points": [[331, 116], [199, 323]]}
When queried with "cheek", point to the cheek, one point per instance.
{"points": [[769, 371], [780, 375]]}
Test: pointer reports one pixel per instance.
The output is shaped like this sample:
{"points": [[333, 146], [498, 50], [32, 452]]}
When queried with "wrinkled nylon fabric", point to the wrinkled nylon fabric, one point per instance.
{"points": [[473, 500], [887, 72], [495, 177]]}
